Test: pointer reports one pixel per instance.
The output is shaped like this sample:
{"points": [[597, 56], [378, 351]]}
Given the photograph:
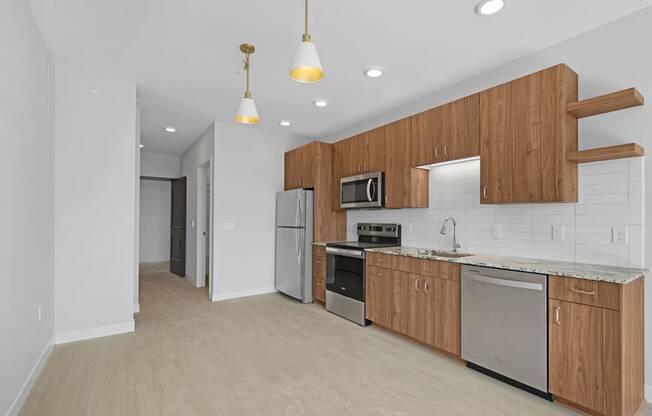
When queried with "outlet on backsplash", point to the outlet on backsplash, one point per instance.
{"points": [[619, 234], [558, 233]]}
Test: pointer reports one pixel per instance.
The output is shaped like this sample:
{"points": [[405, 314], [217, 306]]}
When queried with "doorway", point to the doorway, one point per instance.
{"points": [[204, 227]]}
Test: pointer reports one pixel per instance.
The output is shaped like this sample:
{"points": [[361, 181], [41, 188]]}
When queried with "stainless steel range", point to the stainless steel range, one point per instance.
{"points": [[345, 269]]}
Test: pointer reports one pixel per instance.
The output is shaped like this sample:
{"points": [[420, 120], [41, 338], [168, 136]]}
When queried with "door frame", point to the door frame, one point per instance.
{"points": [[200, 260]]}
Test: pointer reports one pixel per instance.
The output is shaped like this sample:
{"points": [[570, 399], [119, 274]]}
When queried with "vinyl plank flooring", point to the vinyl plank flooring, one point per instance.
{"points": [[260, 355]]}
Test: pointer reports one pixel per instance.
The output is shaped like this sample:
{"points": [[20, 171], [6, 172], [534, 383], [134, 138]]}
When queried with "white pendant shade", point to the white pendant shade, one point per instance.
{"points": [[247, 112], [307, 66]]}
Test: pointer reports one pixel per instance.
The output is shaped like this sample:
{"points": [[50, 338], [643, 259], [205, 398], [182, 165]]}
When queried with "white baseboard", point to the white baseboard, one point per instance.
{"points": [[648, 393], [88, 333], [216, 297], [15, 408], [191, 279], [136, 307]]}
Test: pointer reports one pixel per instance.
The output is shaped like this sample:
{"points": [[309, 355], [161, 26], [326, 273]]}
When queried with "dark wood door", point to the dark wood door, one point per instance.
{"points": [[178, 227]]}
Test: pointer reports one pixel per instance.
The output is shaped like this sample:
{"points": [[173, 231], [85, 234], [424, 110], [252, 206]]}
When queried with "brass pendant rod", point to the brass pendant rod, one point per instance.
{"points": [[306, 36], [247, 92]]}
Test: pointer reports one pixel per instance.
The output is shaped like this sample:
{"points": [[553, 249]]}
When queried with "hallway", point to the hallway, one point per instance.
{"points": [[262, 355]]}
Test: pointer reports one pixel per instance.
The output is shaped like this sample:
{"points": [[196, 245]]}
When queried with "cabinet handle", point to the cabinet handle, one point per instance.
{"points": [[416, 285], [364, 167], [379, 274], [446, 150], [484, 192], [583, 292], [426, 286], [436, 152], [359, 168], [557, 318]]}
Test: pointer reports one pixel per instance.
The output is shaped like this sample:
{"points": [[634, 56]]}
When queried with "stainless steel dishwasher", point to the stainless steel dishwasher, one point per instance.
{"points": [[504, 326]]}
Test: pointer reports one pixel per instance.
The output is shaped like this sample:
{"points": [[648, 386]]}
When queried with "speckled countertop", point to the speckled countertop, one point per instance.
{"points": [[320, 243], [587, 271]]}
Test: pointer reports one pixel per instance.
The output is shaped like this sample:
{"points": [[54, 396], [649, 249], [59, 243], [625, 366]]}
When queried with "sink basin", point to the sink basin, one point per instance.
{"points": [[439, 253]]}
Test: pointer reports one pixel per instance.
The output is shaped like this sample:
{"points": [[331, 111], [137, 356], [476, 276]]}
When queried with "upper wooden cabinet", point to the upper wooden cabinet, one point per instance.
{"points": [[298, 167], [447, 132], [525, 133], [405, 186]]}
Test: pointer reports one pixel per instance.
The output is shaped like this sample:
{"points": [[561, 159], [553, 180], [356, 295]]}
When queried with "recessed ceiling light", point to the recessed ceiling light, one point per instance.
{"points": [[170, 129], [320, 102], [489, 7], [140, 146], [373, 72], [284, 123]]}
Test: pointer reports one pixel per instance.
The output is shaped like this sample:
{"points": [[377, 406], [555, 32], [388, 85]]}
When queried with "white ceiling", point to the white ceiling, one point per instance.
{"points": [[184, 56]]}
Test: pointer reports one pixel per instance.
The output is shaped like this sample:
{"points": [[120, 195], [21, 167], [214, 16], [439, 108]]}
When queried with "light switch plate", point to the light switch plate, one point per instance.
{"points": [[558, 233], [229, 226], [619, 234], [496, 231]]}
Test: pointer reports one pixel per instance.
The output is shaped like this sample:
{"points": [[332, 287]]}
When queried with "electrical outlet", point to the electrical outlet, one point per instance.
{"points": [[619, 234], [38, 313], [496, 231], [558, 233]]}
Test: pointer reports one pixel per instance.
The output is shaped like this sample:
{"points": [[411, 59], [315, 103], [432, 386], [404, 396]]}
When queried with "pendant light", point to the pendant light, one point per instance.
{"points": [[307, 66], [247, 112]]}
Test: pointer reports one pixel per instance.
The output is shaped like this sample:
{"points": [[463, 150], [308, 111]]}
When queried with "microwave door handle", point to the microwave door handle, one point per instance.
{"points": [[373, 192], [369, 183]]}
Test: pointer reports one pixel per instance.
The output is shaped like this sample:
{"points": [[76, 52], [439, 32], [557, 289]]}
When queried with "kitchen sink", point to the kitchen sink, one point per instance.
{"points": [[439, 253]]}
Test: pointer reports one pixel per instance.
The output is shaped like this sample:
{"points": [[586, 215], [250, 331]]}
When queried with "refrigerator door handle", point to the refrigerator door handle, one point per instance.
{"points": [[299, 251]]}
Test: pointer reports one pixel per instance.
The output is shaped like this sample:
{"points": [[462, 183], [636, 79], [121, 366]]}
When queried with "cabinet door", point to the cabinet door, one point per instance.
{"points": [[306, 161], [426, 135], [374, 160], [416, 324], [460, 129], [429, 316], [292, 169], [400, 301], [398, 180], [447, 330], [378, 296], [525, 133], [576, 338]]}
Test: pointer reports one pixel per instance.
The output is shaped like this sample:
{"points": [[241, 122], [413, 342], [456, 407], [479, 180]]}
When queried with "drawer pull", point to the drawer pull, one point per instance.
{"points": [[583, 292], [426, 286], [557, 319], [416, 285]]}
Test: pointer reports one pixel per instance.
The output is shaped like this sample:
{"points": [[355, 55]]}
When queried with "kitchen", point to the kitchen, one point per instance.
{"points": [[464, 228]]}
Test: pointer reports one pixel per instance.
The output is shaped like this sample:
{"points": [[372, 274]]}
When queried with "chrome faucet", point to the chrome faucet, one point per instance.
{"points": [[456, 245]]}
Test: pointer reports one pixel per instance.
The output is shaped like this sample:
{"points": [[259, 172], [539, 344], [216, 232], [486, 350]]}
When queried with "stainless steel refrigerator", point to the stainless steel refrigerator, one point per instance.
{"points": [[294, 238]]}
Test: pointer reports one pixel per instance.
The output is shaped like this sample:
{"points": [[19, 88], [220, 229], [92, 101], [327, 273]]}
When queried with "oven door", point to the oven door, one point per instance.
{"points": [[362, 191], [345, 272]]}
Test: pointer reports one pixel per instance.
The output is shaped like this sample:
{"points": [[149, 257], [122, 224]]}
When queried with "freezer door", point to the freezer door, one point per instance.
{"points": [[289, 274], [291, 208]]}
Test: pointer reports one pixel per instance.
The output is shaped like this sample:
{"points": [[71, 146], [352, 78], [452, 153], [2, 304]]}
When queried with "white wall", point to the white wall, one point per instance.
{"points": [[26, 203], [610, 194], [95, 191], [197, 154], [159, 165], [154, 221], [607, 59], [248, 173]]}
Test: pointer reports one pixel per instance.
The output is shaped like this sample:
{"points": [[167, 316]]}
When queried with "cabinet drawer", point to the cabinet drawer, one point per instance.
{"points": [[425, 267], [388, 261], [586, 292], [449, 271]]}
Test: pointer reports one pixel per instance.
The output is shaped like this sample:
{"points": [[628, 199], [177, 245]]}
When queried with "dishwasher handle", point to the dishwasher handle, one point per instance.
{"points": [[504, 282]]}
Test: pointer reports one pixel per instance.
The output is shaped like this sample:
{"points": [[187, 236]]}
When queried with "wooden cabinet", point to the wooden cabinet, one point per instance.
{"points": [[378, 306], [311, 166], [319, 274], [420, 300], [596, 352], [447, 132], [405, 186], [525, 134]]}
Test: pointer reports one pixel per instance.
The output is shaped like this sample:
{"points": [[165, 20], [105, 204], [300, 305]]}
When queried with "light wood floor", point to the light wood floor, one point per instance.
{"points": [[262, 355]]}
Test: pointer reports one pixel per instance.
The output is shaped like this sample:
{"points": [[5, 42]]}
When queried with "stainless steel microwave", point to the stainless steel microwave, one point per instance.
{"points": [[362, 191]]}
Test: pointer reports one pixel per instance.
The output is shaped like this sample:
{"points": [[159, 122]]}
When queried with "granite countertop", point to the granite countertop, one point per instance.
{"points": [[320, 243], [612, 274]]}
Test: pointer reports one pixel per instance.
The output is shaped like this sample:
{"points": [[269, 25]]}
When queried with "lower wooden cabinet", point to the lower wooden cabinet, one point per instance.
{"points": [[424, 307], [319, 274], [595, 352]]}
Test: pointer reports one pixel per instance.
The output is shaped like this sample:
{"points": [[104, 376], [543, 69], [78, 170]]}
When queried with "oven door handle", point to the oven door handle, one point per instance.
{"points": [[504, 282], [344, 252]]}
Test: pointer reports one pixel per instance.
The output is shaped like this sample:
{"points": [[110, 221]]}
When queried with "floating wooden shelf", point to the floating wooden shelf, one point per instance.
{"points": [[606, 153], [607, 103]]}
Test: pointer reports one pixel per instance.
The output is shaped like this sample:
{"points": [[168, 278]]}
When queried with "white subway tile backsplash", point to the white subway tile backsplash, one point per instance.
{"points": [[611, 193]]}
